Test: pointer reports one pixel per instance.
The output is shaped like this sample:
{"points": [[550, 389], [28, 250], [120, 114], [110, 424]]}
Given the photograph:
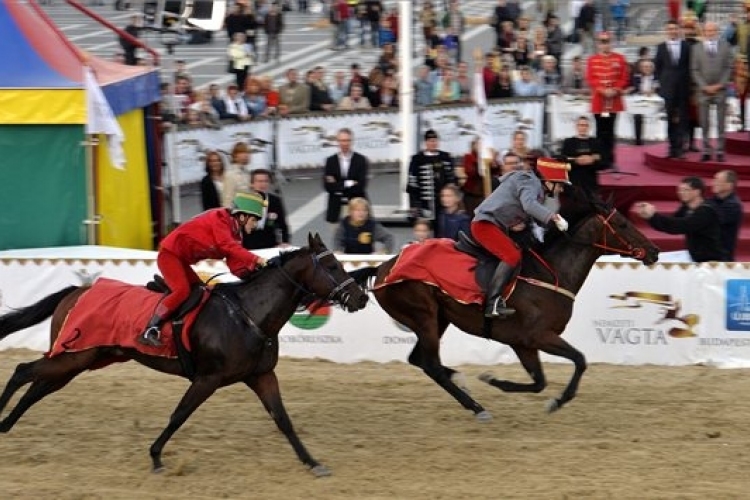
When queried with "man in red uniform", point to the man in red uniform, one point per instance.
{"points": [[214, 234], [607, 76]]}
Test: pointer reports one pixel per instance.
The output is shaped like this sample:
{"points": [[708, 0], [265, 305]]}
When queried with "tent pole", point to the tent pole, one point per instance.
{"points": [[406, 97], [92, 220]]}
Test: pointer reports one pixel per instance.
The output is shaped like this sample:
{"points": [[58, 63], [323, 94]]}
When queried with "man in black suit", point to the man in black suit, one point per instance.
{"points": [[272, 230], [672, 71], [344, 177]]}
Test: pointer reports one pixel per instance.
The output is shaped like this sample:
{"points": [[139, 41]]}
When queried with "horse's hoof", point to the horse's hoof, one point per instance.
{"points": [[486, 377], [483, 416], [553, 405], [320, 471], [158, 470]]}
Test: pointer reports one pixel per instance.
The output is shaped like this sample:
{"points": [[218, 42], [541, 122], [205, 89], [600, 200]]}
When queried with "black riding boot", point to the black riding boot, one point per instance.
{"points": [[151, 335], [495, 305]]}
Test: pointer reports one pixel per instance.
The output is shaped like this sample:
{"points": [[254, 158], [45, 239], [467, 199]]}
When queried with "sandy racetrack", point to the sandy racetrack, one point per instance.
{"points": [[387, 432]]}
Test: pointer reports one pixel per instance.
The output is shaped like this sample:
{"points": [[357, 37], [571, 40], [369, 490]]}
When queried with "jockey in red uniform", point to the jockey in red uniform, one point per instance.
{"points": [[214, 234], [510, 208]]}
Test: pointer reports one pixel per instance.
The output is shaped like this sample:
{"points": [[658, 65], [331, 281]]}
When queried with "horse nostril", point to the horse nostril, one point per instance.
{"points": [[363, 301]]}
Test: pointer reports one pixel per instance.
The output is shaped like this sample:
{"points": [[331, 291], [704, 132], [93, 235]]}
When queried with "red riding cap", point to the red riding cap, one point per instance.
{"points": [[553, 170]]}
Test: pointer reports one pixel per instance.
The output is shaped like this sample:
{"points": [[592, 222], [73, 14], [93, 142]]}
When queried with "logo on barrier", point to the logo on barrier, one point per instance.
{"points": [[628, 331], [738, 305], [311, 318]]}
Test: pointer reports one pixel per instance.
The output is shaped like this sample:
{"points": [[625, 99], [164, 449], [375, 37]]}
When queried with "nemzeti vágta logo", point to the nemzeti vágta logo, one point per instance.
{"points": [[738, 305]]}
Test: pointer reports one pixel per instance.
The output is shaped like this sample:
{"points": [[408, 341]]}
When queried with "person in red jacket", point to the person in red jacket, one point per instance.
{"points": [[213, 234], [608, 76]]}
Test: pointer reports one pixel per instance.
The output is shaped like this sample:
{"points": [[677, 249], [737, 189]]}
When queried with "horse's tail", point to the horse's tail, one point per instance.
{"points": [[363, 274], [33, 314]]}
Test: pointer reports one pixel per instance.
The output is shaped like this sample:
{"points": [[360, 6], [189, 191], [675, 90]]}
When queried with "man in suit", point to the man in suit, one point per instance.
{"points": [[272, 230], [672, 71], [344, 176], [711, 66]]}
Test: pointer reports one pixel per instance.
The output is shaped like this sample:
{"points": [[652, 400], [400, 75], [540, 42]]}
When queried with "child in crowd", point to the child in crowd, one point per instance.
{"points": [[357, 232], [452, 219], [421, 231]]}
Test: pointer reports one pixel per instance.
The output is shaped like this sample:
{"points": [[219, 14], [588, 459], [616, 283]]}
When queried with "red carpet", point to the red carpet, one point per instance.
{"points": [[647, 175]]}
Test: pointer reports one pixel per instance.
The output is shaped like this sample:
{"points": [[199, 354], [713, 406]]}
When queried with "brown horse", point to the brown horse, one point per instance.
{"points": [[234, 339], [543, 299]]}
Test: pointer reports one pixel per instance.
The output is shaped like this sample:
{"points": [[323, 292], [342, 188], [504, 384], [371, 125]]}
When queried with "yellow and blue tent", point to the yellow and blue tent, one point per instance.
{"points": [[43, 116]]}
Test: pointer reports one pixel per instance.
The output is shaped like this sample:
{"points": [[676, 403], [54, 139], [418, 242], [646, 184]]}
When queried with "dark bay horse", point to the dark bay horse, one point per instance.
{"points": [[542, 312], [234, 339]]}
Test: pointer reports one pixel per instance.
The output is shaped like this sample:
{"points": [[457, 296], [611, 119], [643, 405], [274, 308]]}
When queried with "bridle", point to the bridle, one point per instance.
{"points": [[337, 294], [627, 249]]}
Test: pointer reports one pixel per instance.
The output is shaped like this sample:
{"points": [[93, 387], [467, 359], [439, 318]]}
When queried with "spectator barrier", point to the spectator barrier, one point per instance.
{"points": [[304, 141], [564, 109], [668, 314]]}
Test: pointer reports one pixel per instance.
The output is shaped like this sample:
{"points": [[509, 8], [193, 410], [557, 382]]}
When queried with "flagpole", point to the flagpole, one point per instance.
{"points": [[480, 102], [92, 220]]}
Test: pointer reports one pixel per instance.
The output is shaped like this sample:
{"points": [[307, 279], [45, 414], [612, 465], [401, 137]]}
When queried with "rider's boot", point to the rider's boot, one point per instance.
{"points": [[150, 336], [495, 306]]}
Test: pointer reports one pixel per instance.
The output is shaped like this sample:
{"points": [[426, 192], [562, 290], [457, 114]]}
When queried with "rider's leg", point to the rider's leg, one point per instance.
{"points": [[494, 239], [179, 278]]}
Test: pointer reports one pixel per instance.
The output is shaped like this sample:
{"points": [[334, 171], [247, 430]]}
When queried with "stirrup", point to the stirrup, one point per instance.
{"points": [[151, 337], [498, 309]]}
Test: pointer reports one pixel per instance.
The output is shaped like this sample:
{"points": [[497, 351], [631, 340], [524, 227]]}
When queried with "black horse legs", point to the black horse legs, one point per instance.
{"points": [[198, 392], [266, 386], [530, 360], [551, 343], [21, 376]]}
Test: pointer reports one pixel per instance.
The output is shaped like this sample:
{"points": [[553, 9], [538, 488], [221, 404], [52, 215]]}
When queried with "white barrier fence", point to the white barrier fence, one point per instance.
{"points": [[669, 314]]}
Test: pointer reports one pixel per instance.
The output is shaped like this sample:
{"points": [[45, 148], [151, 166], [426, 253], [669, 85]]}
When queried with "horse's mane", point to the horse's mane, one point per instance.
{"points": [[273, 263], [576, 206]]}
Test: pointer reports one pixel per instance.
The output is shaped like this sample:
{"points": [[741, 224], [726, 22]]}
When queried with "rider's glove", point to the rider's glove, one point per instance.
{"points": [[561, 223]]}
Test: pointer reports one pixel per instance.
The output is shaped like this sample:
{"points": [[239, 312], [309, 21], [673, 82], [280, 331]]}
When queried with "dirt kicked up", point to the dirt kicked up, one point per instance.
{"points": [[387, 432]]}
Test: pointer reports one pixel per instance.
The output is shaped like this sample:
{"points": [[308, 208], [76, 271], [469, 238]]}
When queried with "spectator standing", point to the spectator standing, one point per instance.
{"points": [[235, 21], [584, 26], [429, 171], [574, 82], [212, 183], [619, 10], [711, 66], [272, 230], [294, 97], [133, 29], [729, 207], [472, 184], [584, 155], [672, 70], [453, 218], [357, 233], [644, 83], [273, 26], [555, 42], [237, 176], [344, 176], [607, 75], [696, 219], [370, 18], [240, 59], [339, 16], [690, 31]]}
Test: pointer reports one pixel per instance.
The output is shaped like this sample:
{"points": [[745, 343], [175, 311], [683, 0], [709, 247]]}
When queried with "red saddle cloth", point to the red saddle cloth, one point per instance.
{"points": [[113, 313], [436, 262]]}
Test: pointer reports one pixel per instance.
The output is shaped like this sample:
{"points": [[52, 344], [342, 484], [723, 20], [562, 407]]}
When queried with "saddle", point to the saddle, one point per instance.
{"points": [[486, 262], [158, 285]]}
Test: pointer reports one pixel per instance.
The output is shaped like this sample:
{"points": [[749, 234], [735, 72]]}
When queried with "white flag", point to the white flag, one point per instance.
{"points": [[101, 119]]}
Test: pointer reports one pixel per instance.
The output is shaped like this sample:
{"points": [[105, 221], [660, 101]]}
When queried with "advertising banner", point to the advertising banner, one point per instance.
{"points": [[189, 148]]}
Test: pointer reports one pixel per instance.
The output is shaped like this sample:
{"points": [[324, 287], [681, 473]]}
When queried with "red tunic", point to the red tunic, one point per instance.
{"points": [[214, 234], [607, 71]]}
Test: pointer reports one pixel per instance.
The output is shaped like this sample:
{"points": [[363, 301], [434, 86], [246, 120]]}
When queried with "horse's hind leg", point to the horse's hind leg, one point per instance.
{"points": [[48, 375], [198, 392], [529, 358], [551, 343], [266, 386]]}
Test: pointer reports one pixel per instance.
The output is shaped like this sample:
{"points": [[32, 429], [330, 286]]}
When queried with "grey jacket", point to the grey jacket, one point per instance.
{"points": [[519, 197], [709, 70]]}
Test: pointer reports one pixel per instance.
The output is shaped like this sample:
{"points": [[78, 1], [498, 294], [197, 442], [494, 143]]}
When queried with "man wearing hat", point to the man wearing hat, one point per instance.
{"points": [[607, 76], [213, 234], [511, 208], [429, 171]]}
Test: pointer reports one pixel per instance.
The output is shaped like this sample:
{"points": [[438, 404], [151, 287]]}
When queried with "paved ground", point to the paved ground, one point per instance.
{"points": [[305, 44]]}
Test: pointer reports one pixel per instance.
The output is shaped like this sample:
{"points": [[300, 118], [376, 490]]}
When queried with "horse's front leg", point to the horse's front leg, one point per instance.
{"points": [[529, 358], [198, 392], [551, 343], [266, 386]]}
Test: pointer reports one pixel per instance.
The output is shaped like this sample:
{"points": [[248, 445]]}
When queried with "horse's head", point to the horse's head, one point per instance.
{"points": [[599, 224], [325, 277]]}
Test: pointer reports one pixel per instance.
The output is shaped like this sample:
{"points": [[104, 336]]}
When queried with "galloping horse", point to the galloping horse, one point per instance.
{"points": [[543, 299], [234, 339]]}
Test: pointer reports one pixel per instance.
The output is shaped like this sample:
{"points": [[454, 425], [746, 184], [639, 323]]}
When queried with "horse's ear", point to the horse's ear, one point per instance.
{"points": [[310, 240], [318, 239]]}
